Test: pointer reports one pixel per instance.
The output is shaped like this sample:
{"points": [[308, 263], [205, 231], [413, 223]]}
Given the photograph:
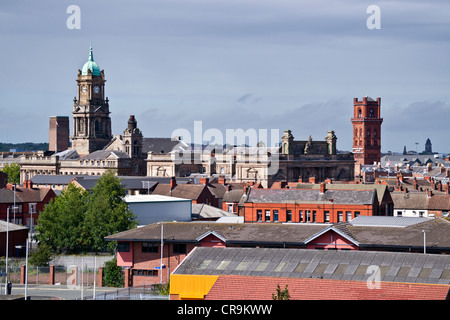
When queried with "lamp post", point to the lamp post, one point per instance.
{"points": [[162, 249], [424, 241], [7, 245]]}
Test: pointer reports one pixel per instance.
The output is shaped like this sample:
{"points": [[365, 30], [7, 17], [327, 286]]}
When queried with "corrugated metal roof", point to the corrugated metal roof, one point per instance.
{"points": [[303, 263], [384, 221]]}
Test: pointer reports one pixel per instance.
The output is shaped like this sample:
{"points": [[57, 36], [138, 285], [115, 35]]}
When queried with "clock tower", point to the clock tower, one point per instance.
{"points": [[91, 120]]}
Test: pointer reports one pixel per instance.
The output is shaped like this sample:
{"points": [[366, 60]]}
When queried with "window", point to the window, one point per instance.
{"points": [[288, 215], [258, 215], [340, 216], [308, 215], [149, 247], [300, 215], [326, 216], [267, 215], [421, 213], [123, 247], [356, 214], [32, 208], [145, 273], [275, 215], [179, 248], [348, 216], [399, 213], [314, 216]]}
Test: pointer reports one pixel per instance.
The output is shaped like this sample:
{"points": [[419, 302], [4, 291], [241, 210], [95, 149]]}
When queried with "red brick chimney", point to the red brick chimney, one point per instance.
{"points": [[312, 179], [28, 184], [322, 187], [173, 183], [204, 181], [221, 179]]}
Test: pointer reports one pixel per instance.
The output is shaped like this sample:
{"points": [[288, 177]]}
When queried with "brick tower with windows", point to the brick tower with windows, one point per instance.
{"points": [[367, 130]]}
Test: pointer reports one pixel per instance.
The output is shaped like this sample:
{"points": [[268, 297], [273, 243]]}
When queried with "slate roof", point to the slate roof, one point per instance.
{"points": [[128, 182], [23, 195], [161, 145], [204, 211], [381, 189], [234, 195], [104, 154], [384, 233], [187, 191], [360, 197], [52, 179], [420, 201], [303, 263], [233, 232]]}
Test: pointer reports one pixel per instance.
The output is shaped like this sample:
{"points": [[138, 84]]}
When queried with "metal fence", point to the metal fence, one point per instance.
{"points": [[146, 292], [41, 275]]}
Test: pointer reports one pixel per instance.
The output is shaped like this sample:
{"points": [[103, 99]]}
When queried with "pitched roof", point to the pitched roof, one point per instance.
{"points": [[234, 195], [187, 191], [240, 287], [352, 265], [437, 235], [104, 154], [161, 145], [383, 232], [24, 195], [201, 210], [361, 197], [10, 227], [232, 232], [381, 189]]}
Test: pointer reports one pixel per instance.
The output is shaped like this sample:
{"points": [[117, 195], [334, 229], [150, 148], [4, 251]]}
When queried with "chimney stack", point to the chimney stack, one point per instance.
{"points": [[322, 187], [173, 183]]}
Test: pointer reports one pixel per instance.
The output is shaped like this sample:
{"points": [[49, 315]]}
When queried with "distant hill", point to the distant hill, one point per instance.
{"points": [[26, 146]]}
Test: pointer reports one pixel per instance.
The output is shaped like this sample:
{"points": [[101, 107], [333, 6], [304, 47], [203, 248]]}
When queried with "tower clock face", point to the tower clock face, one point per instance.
{"points": [[96, 89], [83, 89]]}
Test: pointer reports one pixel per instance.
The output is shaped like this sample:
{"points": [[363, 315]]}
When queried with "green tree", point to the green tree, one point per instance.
{"points": [[77, 221], [281, 294], [107, 213], [13, 172], [42, 256], [61, 224], [113, 275]]}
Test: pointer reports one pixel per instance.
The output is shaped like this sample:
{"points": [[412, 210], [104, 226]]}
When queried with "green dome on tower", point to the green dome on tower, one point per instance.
{"points": [[91, 65]]}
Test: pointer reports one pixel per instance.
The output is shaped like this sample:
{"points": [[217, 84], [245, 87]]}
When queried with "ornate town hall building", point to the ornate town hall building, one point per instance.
{"points": [[95, 150]]}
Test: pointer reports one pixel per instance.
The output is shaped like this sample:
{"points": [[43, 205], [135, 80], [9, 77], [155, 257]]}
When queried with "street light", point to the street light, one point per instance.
{"points": [[7, 245], [162, 249], [424, 241]]}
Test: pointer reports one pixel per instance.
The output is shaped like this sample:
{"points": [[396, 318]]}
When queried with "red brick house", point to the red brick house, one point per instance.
{"points": [[198, 193], [29, 201]]}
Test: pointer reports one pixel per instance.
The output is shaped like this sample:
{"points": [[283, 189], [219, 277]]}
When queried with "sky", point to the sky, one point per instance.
{"points": [[232, 64]]}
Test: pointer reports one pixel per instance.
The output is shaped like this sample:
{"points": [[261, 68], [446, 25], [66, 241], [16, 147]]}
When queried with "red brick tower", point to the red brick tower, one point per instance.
{"points": [[367, 130]]}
